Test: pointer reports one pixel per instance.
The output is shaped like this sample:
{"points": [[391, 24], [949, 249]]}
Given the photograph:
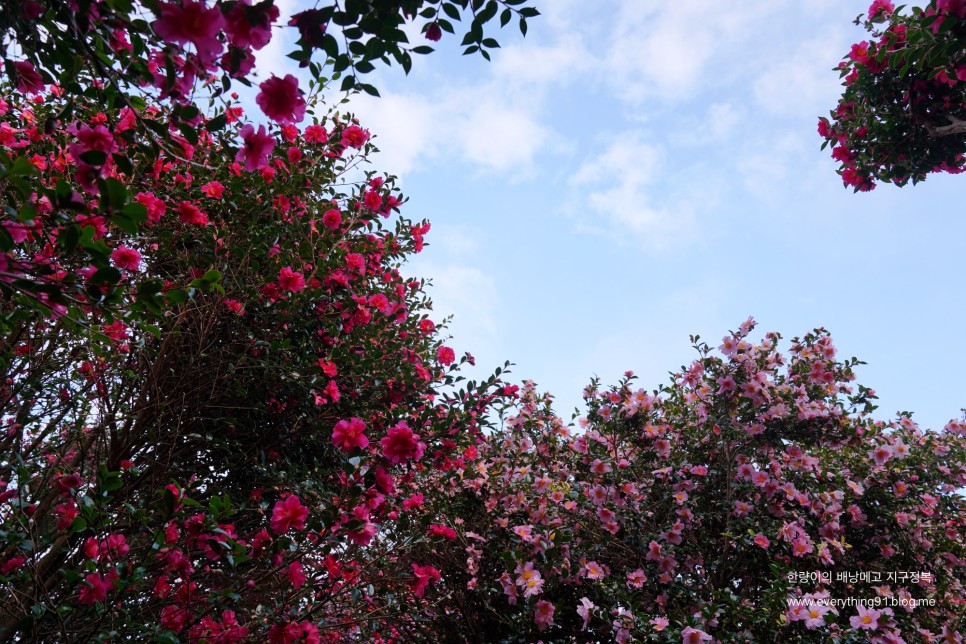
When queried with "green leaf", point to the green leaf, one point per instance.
{"points": [[123, 163], [94, 157], [505, 17], [217, 123], [107, 275], [113, 194], [176, 296], [450, 10], [189, 133], [136, 212]]}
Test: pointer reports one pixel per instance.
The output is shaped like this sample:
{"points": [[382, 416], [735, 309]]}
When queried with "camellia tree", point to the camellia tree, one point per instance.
{"points": [[219, 388], [215, 437], [753, 498], [902, 114]]}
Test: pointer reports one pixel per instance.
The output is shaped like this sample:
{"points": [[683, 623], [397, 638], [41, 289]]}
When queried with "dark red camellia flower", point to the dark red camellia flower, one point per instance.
{"points": [[281, 100], [311, 26], [29, 80], [434, 32]]}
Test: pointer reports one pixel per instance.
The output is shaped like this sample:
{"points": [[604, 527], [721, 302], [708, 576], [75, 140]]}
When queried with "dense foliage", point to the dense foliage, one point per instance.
{"points": [[902, 114], [750, 499]]}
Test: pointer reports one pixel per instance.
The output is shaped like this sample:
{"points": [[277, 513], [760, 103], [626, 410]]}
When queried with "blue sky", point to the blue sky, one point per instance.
{"points": [[633, 172]]}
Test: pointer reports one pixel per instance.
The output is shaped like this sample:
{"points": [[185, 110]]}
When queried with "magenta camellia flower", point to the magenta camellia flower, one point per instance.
{"points": [[445, 355], [29, 80], [332, 219], [349, 434], [290, 280], [354, 137], [192, 214], [880, 8], [249, 26], [400, 444], [281, 100], [127, 258], [94, 589], [256, 149], [423, 575], [192, 22], [97, 138], [287, 514]]}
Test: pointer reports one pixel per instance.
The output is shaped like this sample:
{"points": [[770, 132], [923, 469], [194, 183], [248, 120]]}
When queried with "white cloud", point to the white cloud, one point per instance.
{"points": [[665, 50], [405, 126], [801, 85], [468, 294], [617, 187]]}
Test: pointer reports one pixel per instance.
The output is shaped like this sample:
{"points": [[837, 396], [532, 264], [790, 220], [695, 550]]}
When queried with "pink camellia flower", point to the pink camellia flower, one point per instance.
{"points": [[249, 26], [762, 541], [349, 434], [213, 189], [423, 576], [636, 578], [354, 137], [543, 614], [192, 22], [287, 514], [29, 80], [281, 100], [593, 570], [865, 619], [290, 280], [400, 444], [127, 258], [256, 149], [694, 636], [881, 454], [445, 355], [586, 611]]}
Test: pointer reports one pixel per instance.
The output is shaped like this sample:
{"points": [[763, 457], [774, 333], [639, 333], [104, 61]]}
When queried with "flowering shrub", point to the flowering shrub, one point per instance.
{"points": [[219, 387], [733, 504], [902, 114]]}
